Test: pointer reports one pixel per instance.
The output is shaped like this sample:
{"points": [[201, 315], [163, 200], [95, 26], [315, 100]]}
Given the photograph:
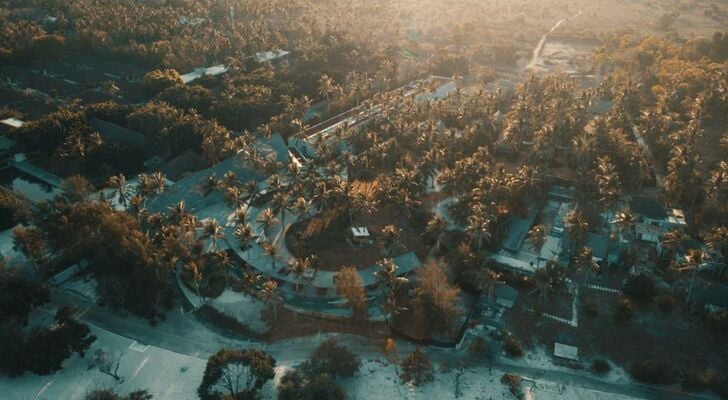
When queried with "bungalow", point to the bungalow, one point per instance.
{"points": [[565, 346], [360, 235], [11, 123], [191, 21], [518, 254], [654, 219], [566, 351], [202, 71], [268, 56]]}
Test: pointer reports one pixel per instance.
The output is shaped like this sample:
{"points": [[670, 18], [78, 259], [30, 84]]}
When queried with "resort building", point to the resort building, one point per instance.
{"points": [[654, 220]]}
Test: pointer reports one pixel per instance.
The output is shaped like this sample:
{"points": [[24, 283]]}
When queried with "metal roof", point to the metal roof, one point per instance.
{"points": [[360, 231], [506, 292], [565, 351], [12, 122]]}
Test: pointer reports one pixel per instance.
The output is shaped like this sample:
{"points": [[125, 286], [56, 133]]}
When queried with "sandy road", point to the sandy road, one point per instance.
{"points": [[539, 47]]}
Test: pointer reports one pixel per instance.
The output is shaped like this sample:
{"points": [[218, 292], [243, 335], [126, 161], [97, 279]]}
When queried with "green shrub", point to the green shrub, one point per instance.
{"points": [[700, 380], [600, 366], [513, 382], [478, 347], [333, 359], [417, 368], [295, 385], [665, 303], [590, 308], [640, 288], [721, 387], [512, 347], [651, 371], [624, 310], [717, 321]]}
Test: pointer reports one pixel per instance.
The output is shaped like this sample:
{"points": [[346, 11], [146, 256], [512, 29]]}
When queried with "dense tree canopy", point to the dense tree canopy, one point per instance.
{"points": [[236, 374]]}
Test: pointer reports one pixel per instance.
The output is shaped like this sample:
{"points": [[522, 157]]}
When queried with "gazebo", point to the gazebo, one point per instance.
{"points": [[360, 235]]}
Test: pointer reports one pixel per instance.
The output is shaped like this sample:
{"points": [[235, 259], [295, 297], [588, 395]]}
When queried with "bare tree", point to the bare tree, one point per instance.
{"points": [[108, 363]]}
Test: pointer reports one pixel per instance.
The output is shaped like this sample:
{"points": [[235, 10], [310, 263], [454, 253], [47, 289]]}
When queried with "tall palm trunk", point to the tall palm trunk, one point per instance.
{"points": [[197, 289]]}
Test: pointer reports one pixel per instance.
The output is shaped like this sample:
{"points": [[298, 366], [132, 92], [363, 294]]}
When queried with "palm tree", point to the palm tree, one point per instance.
{"points": [[386, 275], [210, 184], [158, 182], [271, 251], [213, 231], [136, 206], [120, 188], [246, 237], [449, 182], [300, 267], [251, 189], [32, 243], [670, 243], [478, 230], [267, 219], [233, 196], [608, 185], [241, 216], [683, 180], [577, 227], [177, 212], [266, 130], [584, 261], [326, 87], [391, 306], [625, 222], [301, 206], [110, 88], [407, 204], [717, 241], [321, 195], [542, 283], [487, 281], [390, 238], [275, 183], [717, 184], [427, 169], [531, 179], [193, 269], [694, 259], [537, 237], [269, 294], [280, 205], [435, 227], [296, 122], [224, 262], [250, 283]]}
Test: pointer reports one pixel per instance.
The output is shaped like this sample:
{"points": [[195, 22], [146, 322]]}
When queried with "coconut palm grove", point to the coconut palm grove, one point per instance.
{"points": [[350, 199]]}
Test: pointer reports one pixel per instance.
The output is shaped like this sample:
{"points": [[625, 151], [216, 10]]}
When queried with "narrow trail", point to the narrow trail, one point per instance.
{"points": [[539, 47]]}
